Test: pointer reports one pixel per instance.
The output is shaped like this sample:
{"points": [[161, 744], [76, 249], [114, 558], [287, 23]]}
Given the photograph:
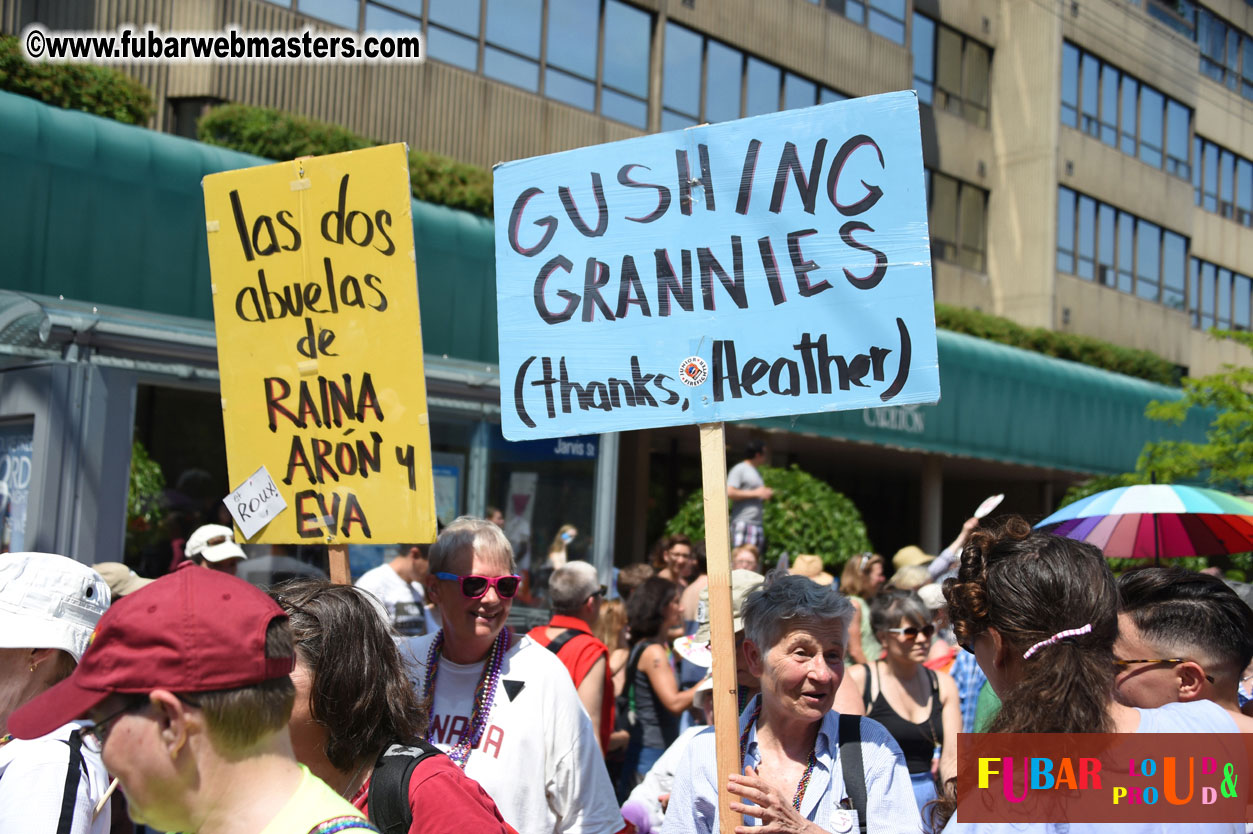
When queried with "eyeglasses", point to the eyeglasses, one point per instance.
{"points": [[1173, 661], [474, 587], [912, 633], [93, 737], [600, 592]]}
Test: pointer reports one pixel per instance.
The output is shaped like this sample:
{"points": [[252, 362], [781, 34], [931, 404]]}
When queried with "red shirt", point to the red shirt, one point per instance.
{"points": [[445, 801], [579, 654]]}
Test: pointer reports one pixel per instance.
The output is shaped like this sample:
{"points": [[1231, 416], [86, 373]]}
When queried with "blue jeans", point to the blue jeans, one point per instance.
{"points": [[639, 760], [924, 791]]}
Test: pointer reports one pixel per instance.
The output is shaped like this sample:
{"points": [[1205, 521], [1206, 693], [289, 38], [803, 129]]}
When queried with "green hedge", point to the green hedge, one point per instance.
{"points": [[276, 135], [1085, 349], [805, 516], [101, 91]]}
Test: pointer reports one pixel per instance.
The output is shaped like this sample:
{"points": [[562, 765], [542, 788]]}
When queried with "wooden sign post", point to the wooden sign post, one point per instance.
{"points": [[337, 559], [713, 466], [315, 304]]}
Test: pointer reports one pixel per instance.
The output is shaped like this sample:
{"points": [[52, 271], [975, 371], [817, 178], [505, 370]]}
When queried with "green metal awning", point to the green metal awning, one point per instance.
{"points": [[1012, 405], [110, 214]]}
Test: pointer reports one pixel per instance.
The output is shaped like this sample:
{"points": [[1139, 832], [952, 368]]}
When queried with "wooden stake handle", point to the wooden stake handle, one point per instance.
{"points": [[721, 624], [338, 559]]}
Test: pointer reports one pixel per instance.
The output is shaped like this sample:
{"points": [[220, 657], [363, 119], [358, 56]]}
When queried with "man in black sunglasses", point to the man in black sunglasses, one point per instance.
{"points": [[501, 705], [1182, 636]]}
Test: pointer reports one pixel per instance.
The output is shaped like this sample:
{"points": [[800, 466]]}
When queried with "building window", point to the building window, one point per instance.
{"points": [[1220, 297], [596, 52], [680, 78], [887, 18], [958, 220], [1098, 242], [704, 80], [1221, 46], [393, 16], [1066, 231], [572, 35], [1179, 15], [1223, 182], [627, 45], [452, 33], [951, 70], [512, 46], [343, 13], [1225, 50], [1178, 118], [883, 17], [1125, 113]]}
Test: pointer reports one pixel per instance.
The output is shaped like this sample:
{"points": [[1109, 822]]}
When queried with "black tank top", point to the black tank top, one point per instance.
{"points": [[917, 741]]}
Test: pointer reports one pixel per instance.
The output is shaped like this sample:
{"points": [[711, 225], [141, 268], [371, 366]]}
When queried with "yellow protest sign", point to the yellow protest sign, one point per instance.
{"points": [[315, 299]]}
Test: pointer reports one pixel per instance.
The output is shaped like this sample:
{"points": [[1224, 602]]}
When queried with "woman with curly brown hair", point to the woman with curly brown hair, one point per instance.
{"points": [[355, 708], [1040, 614]]}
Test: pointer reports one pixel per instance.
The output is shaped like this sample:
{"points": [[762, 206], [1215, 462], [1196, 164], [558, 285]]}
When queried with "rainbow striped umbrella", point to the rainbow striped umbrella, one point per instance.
{"points": [[1146, 521]]}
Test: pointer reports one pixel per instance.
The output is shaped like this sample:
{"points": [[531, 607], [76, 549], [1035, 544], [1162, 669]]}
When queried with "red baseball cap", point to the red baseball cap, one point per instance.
{"points": [[191, 631]]}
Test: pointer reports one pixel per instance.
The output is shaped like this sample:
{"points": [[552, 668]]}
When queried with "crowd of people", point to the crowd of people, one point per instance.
{"points": [[407, 704]]}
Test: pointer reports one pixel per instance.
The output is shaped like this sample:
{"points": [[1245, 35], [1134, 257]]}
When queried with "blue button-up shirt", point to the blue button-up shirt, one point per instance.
{"points": [[970, 680], [891, 808]]}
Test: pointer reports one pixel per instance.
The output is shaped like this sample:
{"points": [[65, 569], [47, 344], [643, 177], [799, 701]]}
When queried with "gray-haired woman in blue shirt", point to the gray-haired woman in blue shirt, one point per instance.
{"points": [[789, 736]]}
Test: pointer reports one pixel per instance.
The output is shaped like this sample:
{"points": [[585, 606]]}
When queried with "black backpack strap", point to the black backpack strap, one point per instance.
{"points": [[72, 776], [633, 663], [852, 767], [388, 806], [559, 642]]}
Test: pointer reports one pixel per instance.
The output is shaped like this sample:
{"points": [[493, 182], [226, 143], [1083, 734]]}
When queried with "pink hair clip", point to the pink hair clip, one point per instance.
{"points": [[1061, 635]]}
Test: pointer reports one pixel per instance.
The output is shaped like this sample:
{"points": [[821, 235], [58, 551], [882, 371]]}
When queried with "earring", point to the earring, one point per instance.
{"points": [[32, 667]]}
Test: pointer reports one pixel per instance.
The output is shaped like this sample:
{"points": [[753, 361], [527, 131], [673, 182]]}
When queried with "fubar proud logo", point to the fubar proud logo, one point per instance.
{"points": [[1104, 777]]}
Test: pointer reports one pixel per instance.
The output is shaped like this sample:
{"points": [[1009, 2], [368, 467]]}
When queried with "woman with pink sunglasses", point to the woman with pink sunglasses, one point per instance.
{"points": [[500, 705]]}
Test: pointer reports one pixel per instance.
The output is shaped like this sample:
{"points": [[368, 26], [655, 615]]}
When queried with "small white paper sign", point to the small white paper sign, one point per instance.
{"points": [[989, 504], [255, 502]]}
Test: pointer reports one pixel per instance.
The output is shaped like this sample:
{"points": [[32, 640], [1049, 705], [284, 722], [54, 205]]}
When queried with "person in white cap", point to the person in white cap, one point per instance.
{"points": [[49, 606], [213, 546]]}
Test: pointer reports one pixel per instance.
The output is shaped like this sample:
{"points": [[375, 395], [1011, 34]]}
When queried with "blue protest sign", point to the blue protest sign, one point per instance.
{"points": [[768, 266]]}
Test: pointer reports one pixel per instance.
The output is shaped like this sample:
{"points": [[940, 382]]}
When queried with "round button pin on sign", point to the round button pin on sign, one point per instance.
{"points": [[693, 371]]}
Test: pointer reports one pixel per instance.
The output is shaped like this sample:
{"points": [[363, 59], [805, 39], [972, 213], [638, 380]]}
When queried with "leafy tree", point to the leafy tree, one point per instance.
{"points": [[1226, 456], [273, 134], [103, 91], [144, 512], [805, 516]]}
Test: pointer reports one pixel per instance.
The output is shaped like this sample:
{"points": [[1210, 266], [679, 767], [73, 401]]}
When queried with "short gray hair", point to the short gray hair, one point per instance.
{"points": [[770, 610], [477, 535], [571, 585], [892, 605]]}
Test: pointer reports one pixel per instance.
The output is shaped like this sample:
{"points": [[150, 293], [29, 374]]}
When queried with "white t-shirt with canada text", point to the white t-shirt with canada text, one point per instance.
{"points": [[538, 757]]}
